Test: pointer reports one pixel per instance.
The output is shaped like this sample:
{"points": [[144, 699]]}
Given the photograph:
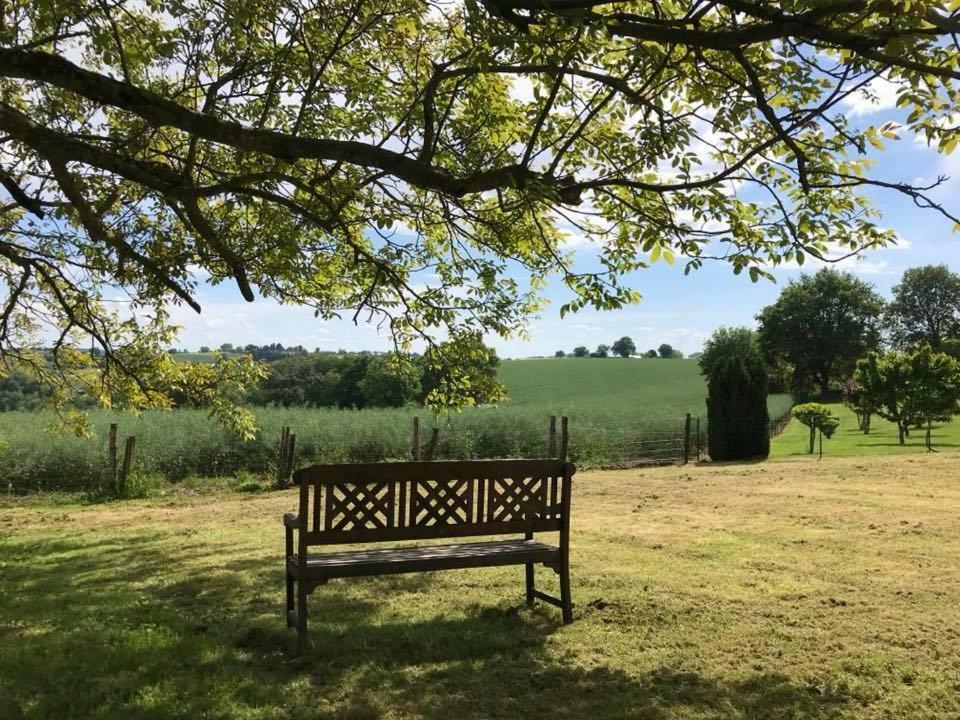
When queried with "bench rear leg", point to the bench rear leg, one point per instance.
{"points": [[290, 599], [301, 616], [565, 599]]}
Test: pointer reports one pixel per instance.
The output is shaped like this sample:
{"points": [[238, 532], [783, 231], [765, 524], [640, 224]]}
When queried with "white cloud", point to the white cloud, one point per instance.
{"points": [[877, 95]]}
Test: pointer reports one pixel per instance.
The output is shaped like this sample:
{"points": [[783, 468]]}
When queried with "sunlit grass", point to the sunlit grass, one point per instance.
{"points": [[849, 440], [798, 589]]}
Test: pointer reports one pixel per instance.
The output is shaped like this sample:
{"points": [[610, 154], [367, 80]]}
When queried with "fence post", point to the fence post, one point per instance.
{"points": [[112, 457], [698, 438], [432, 445], [552, 443], [686, 439], [288, 467], [415, 445], [127, 462], [564, 438]]}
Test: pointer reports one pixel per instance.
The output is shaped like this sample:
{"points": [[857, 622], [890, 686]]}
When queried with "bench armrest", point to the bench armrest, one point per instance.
{"points": [[291, 521]]}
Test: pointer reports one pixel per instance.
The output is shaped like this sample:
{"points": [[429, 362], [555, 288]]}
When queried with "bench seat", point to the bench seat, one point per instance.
{"points": [[384, 561]]}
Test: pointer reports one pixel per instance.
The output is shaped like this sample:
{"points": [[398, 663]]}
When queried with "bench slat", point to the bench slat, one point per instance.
{"points": [[430, 532], [363, 473], [424, 558]]}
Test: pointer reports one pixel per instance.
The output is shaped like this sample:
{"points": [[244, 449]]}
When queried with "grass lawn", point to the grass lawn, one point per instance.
{"points": [[848, 440], [797, 589]]}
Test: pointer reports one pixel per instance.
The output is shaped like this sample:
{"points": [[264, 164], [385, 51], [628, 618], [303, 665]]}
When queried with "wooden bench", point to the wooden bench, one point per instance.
{"points": [[386, 502]]}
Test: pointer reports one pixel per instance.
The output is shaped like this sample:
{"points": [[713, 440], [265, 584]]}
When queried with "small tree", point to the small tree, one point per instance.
{"points": [[911, 389], [624, 347], [602, 351], [665, 350], [581, 351], [651, 353], [738, 423], [204, 348], [559, 354], [818, 418], [854, 399]]}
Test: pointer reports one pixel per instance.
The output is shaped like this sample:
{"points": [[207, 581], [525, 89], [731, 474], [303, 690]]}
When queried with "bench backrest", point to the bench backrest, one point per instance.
{"points": [[374, 502]]}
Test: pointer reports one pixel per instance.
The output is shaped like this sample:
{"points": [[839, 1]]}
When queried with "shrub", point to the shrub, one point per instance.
{"points": [[817, 417], [738, 422]]}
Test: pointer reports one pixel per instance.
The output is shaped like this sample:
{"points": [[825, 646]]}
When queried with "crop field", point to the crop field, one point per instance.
{"points": [[795, 589], [849, 440], [619, 409]]}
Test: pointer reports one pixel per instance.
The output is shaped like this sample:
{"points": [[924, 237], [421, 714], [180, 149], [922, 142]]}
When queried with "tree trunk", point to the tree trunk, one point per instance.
{"points": [[813, 438], [902, 430]]}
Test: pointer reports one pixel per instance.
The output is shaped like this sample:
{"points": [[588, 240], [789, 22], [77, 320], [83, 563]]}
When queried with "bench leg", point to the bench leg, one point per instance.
{"points": [[301, 616], [290, 604], [530, 584], [565, 599]]}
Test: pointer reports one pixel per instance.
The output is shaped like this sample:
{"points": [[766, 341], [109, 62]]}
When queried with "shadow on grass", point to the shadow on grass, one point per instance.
{"points": [[97, 629]]}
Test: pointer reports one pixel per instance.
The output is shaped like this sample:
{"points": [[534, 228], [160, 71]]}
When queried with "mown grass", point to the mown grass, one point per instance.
{"points": [[795, 589], [620, 410], [848, 440]]}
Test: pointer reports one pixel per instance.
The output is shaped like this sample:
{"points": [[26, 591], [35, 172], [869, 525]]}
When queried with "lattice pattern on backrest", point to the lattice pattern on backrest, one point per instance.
{"points": [[384, 501], [348, 506]]}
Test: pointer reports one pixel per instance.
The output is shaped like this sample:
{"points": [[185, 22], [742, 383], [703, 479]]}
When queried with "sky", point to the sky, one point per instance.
{"points": [[676, 309]]}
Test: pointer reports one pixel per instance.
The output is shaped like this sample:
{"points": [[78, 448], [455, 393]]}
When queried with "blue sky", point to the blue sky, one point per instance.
{"points": [[681, 310]]}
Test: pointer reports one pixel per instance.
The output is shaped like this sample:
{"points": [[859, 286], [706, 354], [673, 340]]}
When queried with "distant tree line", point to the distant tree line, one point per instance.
{"points": [[365, 379], [624, 347]]}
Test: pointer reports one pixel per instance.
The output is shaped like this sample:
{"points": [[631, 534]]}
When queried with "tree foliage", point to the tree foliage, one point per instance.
{"points": [[925, 308], [380, 159], [581, 351], [624, 347], [911, 389], [727, 342], [861, 405], [738, 422], [821, 324]]}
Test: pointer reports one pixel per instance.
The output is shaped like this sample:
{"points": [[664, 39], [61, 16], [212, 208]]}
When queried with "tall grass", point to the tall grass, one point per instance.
{"points": [[183, 443]]}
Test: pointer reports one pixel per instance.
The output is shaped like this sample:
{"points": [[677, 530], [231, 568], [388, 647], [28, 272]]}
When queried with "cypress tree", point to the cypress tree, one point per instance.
{"points": [[738, 423]]}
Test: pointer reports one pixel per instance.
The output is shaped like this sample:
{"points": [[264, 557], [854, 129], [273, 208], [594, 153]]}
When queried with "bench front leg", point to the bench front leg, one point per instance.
{"points": [[530, 575], [290, 523]]}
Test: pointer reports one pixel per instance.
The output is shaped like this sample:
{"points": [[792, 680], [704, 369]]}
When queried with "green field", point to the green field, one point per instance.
{"points": [[796, 590], [848, 440], [650, 387]]}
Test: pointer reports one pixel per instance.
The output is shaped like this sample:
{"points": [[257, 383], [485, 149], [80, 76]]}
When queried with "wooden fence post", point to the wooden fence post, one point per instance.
{"points": [[564, 438], [698, 438], [552, 442], [432, 446], [285, 455], [686, 439], [291, 448], [112, 457], [127, 461], [415, 445]]}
